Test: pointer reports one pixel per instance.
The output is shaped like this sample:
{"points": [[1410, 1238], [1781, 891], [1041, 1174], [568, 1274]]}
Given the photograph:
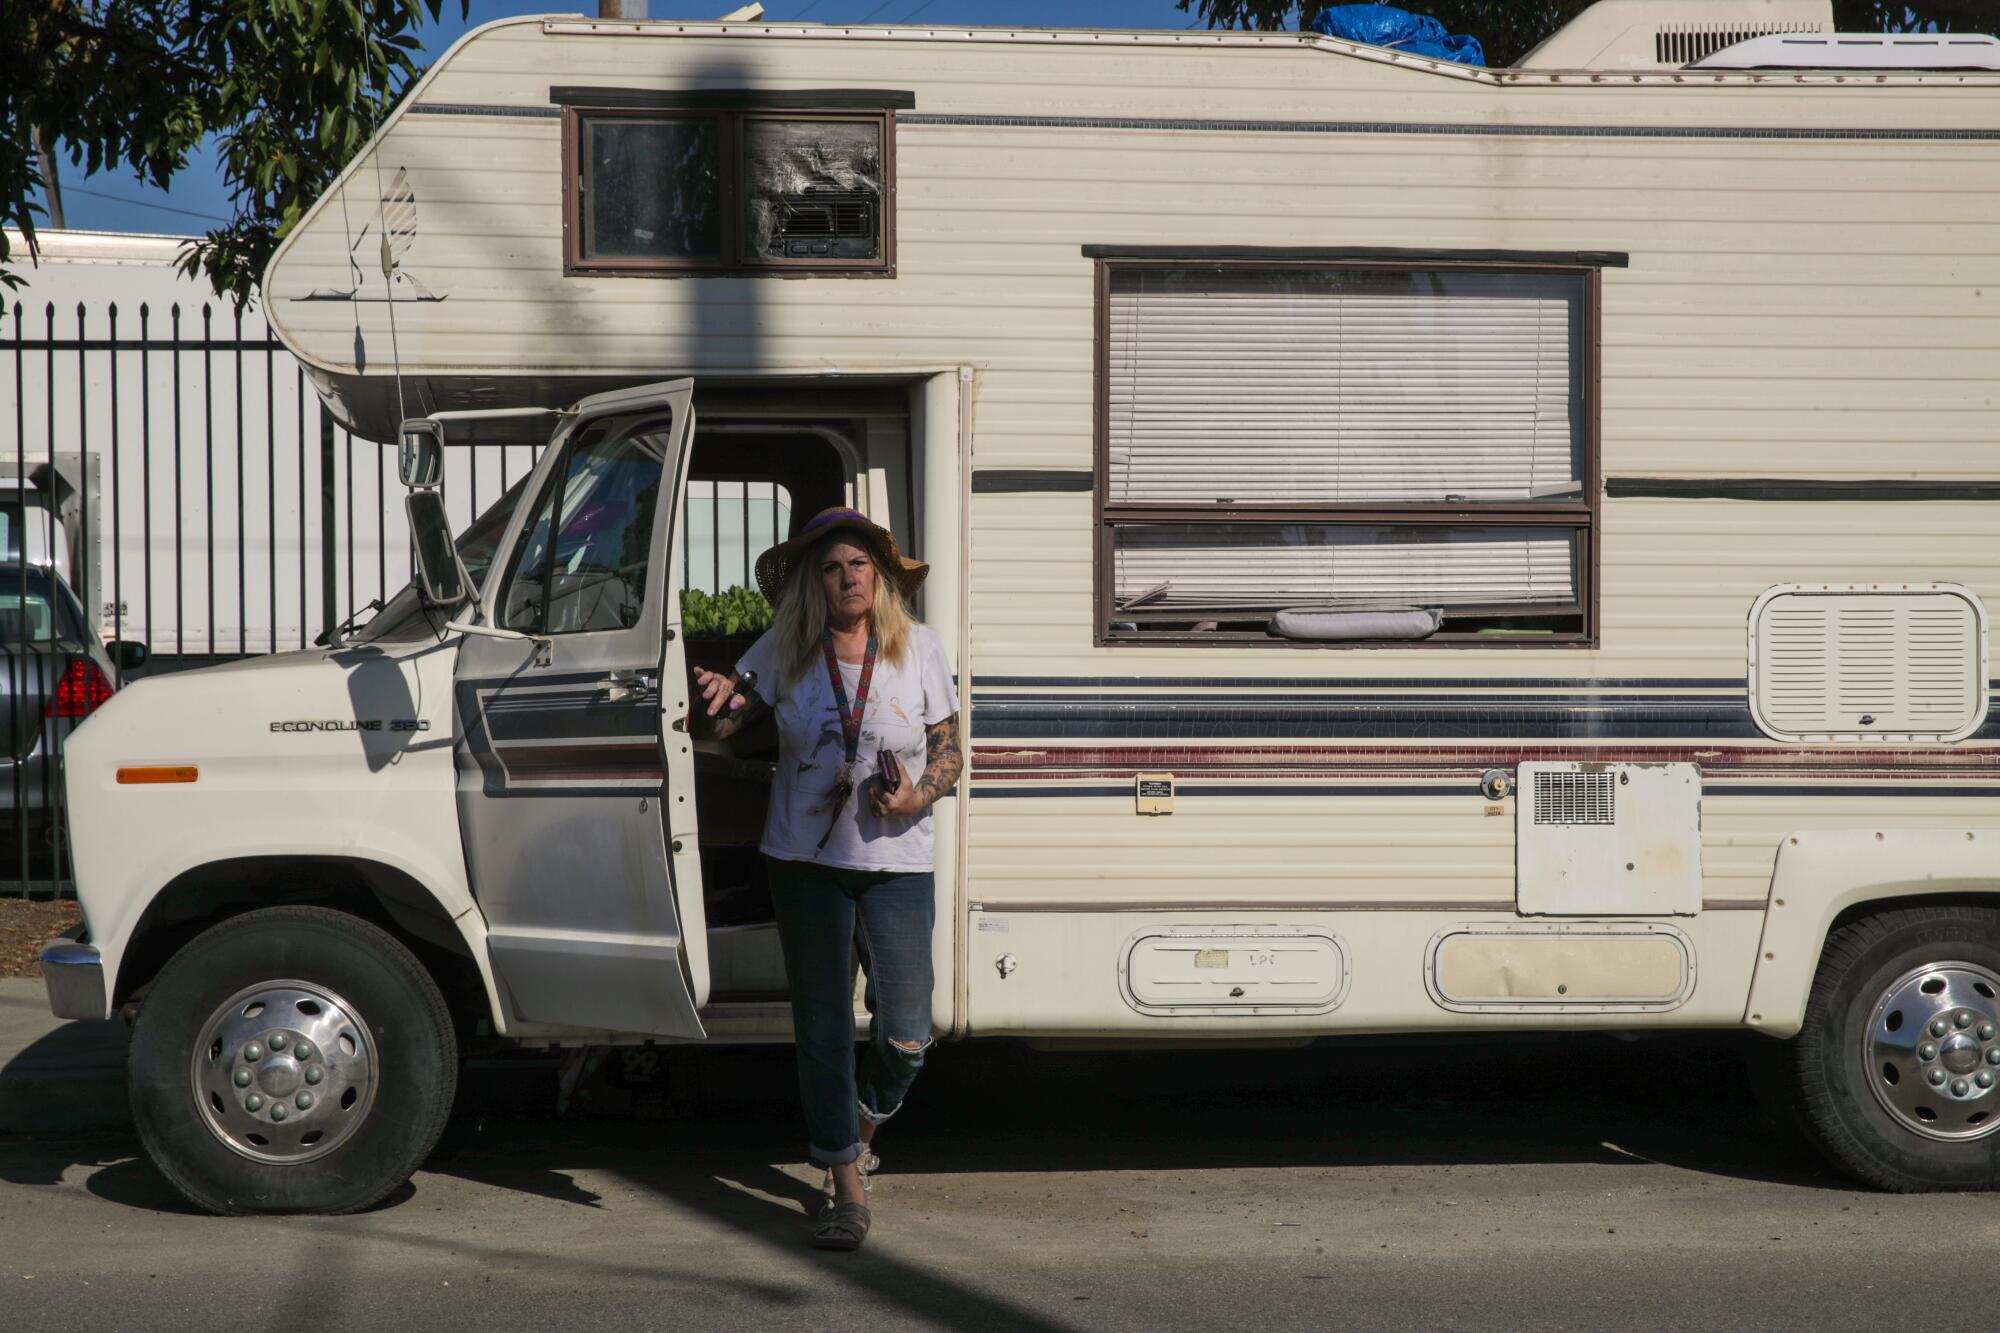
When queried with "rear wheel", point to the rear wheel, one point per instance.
{"points": [[294, 1059], [1895, 1070]]}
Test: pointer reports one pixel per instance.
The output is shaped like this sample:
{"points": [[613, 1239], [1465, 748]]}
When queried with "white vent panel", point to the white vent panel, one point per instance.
{"points": [[1868, 662], [1576, 798], [1608, 839]]}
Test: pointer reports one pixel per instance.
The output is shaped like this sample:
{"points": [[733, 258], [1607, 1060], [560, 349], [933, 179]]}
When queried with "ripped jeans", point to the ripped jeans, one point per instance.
{"points": [[818, 909]]}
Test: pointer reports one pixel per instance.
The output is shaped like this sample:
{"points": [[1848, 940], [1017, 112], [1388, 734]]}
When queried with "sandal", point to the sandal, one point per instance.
{"points": [[841, 1226]]}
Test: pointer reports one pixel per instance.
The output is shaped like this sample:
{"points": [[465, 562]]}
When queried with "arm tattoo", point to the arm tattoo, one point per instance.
{"points": [[943, 760]]}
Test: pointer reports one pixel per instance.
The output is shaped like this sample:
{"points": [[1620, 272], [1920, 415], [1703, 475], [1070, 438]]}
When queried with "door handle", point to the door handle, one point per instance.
{"points": [[621, 684]]}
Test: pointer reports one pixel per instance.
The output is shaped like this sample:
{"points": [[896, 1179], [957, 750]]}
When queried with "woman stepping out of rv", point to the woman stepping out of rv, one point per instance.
{"points": [[868, 741]]}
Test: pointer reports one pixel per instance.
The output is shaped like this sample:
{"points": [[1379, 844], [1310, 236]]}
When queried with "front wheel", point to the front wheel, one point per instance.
{"points": [[292, 1060], [1895, 1070]]}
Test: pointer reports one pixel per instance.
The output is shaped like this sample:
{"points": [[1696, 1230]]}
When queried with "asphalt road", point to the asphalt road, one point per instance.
{"points": [[1574, 1184]]}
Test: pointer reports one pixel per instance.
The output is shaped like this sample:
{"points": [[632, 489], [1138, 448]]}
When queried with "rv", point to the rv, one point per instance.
{"points": [[1424, 549]]}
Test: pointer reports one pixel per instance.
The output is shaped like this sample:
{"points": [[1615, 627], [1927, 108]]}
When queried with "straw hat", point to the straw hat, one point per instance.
{"points": [[775, 565]]}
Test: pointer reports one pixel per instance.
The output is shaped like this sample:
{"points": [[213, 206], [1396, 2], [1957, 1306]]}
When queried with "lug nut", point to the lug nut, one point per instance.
{"points": [[279, 1111], [1993, 1056], [253, 1103], [303, 1050], [1938, 1027], [1983, 1078], [1927, 1051], [242, 1078], [314, 1074], [305, 1101], [278, 1040], [253, 1052], [1937, 1078], [1959, 1087], [1961, 1019], [1986, 1031]]}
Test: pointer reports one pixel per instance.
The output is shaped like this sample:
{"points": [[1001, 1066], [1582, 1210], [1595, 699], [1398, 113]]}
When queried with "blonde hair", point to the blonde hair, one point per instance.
{"points": [[799, 619]]}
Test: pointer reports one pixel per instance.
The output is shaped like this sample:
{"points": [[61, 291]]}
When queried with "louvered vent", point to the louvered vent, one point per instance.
{"points": [[1847, 663], [1575, 798], [1683, 44]]}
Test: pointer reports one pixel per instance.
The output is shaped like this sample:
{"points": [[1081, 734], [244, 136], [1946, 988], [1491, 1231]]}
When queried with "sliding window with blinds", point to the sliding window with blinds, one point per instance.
{"points": [[1332, 439]]}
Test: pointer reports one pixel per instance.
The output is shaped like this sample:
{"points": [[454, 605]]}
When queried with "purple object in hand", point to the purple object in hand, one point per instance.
{"points": [[887, 771]]}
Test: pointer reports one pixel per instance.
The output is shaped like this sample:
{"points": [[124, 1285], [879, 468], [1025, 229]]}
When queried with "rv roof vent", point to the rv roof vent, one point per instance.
{"points": [[1894, 662], [1685, 44], [1669, 34], [1859, 50]]}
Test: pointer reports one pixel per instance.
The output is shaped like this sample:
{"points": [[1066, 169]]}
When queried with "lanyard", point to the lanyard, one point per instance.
{"points": [[850, 726]]}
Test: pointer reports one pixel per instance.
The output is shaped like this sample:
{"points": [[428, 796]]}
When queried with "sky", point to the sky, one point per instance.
{"points": [[198, 199]]}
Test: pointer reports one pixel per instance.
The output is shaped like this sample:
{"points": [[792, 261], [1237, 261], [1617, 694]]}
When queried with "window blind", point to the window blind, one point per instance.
{"points": [[1264, 567], [1343, 386]]}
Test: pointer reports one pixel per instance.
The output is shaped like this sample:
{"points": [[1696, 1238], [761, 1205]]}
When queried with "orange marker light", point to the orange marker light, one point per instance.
{"points": [[178, 773]]}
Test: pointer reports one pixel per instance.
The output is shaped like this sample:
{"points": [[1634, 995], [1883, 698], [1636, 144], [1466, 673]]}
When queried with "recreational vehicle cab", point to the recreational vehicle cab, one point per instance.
{"points": [[1424, 548]]}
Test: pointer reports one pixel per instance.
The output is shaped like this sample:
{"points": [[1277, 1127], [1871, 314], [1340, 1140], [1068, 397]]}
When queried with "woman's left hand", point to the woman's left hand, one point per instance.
{"points": [[905, 802]]}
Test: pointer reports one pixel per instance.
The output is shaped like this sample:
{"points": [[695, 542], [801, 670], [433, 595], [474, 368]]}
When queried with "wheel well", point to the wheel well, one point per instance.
{"points": [[390, 898], [1877, 906]]}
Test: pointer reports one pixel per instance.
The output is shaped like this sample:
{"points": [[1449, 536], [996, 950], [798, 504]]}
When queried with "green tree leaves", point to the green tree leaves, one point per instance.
{"points": [[292, 88]]}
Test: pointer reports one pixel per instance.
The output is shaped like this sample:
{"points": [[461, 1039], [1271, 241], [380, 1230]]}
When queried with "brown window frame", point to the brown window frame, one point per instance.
{"points": [[729, 121], [1583, 517]]}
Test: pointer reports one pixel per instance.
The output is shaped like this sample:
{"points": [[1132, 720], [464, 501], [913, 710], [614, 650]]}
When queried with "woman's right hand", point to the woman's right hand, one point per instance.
{"points": [[717, 690]]}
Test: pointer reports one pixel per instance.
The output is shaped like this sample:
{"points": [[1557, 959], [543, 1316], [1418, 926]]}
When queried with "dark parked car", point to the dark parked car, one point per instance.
{"points": [[53, 674]]}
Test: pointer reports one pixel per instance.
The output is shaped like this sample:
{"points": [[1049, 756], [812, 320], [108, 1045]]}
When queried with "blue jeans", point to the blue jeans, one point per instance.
{"points": [[818, 909]]}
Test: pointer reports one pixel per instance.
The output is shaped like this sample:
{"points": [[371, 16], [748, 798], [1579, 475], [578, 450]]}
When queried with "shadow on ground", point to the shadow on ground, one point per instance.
{"points": [[724, 1140], [996, 1106]]}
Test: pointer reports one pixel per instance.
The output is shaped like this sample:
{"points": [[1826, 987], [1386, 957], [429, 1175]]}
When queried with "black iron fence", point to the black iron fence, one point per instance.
{"points": [[170, 481]]}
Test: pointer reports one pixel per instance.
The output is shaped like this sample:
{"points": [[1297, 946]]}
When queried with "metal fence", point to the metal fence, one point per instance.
{"points": [[177, 471]]}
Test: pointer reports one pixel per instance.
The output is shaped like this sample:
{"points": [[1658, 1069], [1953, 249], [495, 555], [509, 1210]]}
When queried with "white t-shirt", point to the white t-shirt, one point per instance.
{"points": [[902, 701]]}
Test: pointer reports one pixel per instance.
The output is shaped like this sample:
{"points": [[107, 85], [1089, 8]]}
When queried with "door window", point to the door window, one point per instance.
{"points": [[584, 560]]}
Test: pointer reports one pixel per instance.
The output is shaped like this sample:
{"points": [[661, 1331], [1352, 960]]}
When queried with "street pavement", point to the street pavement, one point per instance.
{"points": [[1578, 1183]]}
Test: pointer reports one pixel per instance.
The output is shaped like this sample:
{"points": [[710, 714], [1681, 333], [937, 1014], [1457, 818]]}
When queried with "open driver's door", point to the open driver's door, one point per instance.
{"points": [[575, 791]]}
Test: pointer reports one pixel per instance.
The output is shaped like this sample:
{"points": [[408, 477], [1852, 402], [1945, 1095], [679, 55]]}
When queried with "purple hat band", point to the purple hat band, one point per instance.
{"points": [[832, 517]]}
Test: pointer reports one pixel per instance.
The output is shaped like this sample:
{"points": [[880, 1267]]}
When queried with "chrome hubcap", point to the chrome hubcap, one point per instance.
{"points": [[1932, 1050], [285, 1072]]}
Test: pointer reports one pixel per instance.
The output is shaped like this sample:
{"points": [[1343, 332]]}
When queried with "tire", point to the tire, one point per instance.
{"points": [[1862, 1068], [292, 1060]]}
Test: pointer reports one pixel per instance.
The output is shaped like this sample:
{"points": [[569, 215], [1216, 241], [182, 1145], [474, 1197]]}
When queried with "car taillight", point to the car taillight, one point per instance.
{"points": [[80, 691]]}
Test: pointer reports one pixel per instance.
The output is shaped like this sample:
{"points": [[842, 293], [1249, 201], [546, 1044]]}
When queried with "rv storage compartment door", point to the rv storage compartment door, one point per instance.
{"points": [[576, 813], [1190, 970], [1608, 840]]}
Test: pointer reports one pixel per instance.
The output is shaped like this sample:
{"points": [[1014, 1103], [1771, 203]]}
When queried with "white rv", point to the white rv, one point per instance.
{"points": [[1424, 548]]}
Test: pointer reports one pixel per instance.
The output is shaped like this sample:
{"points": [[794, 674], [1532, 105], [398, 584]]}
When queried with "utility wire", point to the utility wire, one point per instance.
{"points": [[142, 203]]}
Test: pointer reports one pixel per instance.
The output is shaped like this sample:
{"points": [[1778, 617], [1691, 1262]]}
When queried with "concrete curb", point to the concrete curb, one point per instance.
{"points": [[56, 1075]]}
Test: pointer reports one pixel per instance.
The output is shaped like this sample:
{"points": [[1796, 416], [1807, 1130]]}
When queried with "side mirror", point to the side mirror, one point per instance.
{"points": [[128, 654], [439, 574], [420, 459]]}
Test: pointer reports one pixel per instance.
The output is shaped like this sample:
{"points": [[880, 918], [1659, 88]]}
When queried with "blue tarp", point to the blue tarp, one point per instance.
{"points": [[1385, 25]]}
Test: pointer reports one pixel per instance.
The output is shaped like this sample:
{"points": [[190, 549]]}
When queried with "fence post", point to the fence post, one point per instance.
{"points": [[329, 527]]}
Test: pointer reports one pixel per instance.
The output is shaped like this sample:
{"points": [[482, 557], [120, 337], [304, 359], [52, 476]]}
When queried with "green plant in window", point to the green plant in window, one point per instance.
{"points": [[732, 611]]}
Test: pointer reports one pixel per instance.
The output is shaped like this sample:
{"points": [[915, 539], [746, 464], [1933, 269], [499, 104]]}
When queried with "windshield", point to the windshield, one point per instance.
{"points": [[37, 610], [403, 616]]}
